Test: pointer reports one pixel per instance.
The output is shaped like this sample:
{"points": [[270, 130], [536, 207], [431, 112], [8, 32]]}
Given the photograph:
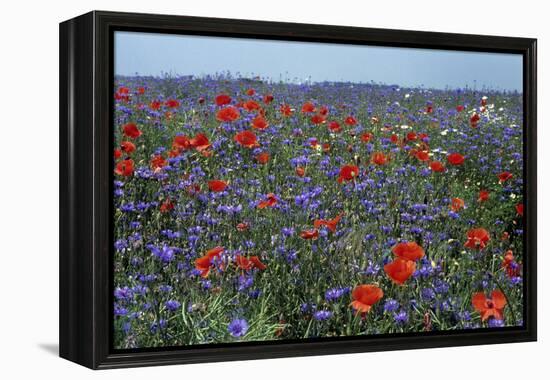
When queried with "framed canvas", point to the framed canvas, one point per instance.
{"points": [[236, 189]]}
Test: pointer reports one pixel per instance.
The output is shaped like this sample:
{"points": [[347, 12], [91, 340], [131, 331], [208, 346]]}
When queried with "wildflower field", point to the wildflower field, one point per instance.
{"points": [[247, 210]]}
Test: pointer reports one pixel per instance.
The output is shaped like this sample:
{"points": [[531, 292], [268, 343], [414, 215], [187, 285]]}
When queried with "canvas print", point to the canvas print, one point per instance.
{"points": [[279, 191]]}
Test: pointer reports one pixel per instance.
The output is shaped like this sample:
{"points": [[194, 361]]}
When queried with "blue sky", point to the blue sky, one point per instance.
{"points": [[155, 54]]}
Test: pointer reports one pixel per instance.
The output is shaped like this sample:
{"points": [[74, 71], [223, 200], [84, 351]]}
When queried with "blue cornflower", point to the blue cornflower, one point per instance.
{"points": [[322, 315], [135, 225], [244, 282], [238, 327], [120, 311], [493, 322], [287, 231], [127, 207], [401, 317], [335, 294], [441, 287], [124, 293], [427, 294], [121, 244], [391, 305], [172, 305], [165, 288], [166, 254]]}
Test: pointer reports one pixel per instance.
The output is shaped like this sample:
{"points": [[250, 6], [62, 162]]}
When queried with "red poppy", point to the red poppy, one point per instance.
{"points": [[155, 105], [259, 122], [251, 105], [334, 126], [318, 119], [118, 153], [483, 196], [250, 92], [394, 138], [350, 120], [141, 90], [243, 226], [127, 147], [364, 296], [270, 201], [400, 270], [457, 204], [512, 268], [246, 139], [366, 137], [437, 166], [286, 110], [422, 155], [411, 136], [228, 114], [519, 209], [348, 173], [300, 172], [204, 263], [379, 158], [123, 93], [201, 100], [217, 185], [158, 162], [223, 99], [308, 107], [310, 234], [131, 130], [474, 119], [429, 109], [455, 159], [459, 108], [410, 251], [172, 103], [489, 307], [477, 238], [504, 176], [166, 206], [181, 142], [249, 263], [262, 158], [125, 168], [268, 98], [326, 147], [200, 142], [323, 110], [330, 223]]}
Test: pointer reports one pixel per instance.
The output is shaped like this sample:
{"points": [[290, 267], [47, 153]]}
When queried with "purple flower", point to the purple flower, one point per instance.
{"points": [[172, 305], [335, 294], [124, 294], [166, 254], [401, 317], [493, 322], [238, 327], [322, 315], [391, 305]]}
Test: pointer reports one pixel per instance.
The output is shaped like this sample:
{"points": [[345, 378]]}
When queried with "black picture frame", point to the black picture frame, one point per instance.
{"points": [[86, 82]]}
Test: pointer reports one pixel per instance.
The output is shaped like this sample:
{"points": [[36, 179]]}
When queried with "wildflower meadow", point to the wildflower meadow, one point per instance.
{"points": [[256, 210]]}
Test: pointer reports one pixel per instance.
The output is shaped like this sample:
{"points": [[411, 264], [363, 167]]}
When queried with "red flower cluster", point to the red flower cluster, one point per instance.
{"points": [[402, 267]]}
